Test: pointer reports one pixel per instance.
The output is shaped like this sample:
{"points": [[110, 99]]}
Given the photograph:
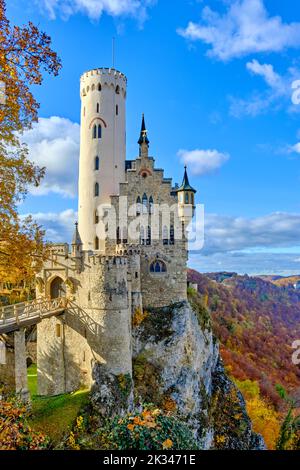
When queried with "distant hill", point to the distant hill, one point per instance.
{"points": [[256, 322]]}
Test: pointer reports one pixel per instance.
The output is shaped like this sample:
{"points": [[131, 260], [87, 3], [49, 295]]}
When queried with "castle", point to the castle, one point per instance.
{"points": [[129, 249]]}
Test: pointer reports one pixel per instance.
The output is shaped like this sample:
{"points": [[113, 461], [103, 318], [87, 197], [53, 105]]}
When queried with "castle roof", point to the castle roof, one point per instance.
{"points": [[186, 184], [143, 135], [76, 237]]}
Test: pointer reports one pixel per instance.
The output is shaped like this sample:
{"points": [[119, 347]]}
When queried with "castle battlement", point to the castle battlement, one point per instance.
{"points": [[110, 261]]}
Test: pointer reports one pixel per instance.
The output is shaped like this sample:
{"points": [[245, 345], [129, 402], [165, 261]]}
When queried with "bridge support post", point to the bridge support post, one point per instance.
{"points": [[21, 366]]}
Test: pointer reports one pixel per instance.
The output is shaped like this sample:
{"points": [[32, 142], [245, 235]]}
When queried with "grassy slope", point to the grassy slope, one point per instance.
{"points": [[54, 415]]}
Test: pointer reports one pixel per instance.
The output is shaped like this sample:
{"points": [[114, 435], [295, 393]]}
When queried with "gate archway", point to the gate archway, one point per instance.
{"points": [[57, 288]]}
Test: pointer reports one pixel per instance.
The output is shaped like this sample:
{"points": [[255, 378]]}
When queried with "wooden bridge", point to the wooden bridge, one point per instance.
{"points": [[14, 317]]}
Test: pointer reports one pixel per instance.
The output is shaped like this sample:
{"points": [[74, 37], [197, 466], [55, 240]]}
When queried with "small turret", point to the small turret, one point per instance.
{"points": [[143, 140], [186, 200], [76, 243]]}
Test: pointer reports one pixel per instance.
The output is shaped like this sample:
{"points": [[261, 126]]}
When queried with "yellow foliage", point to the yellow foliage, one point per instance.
{"points": [[167, 444], [266, 421], [138, 317]]}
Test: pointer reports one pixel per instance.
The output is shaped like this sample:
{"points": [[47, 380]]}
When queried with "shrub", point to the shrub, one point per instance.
{"points": [[15, 433], [148, 430]]}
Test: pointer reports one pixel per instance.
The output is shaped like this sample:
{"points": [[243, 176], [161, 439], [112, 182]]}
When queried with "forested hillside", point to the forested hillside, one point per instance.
{"points": [[257, 323]]}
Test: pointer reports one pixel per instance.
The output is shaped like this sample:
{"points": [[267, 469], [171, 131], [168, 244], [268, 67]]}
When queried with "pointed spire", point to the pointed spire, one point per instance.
{"points": [[143, 135], [185, 183], [76, 237]]}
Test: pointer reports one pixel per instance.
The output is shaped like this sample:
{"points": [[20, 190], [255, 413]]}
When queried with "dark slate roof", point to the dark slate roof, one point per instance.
{"points": [[143, 135], [185, 183]]}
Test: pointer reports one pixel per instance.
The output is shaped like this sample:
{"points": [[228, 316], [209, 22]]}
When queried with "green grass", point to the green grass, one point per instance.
{"points": [[32, 379], [54, 416]]}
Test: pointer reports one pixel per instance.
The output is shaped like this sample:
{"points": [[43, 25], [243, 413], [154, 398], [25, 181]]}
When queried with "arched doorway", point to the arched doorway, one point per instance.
{"points": [[57, 288]]}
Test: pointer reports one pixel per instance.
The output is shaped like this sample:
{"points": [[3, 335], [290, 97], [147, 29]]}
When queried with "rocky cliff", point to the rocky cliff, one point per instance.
{"points": [[177, 367]]}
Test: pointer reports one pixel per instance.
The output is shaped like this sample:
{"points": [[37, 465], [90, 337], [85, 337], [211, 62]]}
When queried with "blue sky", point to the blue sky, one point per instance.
{"points": [[214, 81]]}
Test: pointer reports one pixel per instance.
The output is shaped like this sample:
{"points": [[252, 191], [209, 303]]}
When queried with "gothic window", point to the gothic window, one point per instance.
{"points": [[186, 198], [165, 235], [192, 199], [99, 87], [151, 205], [95, 132], [138, 206], [98, 107], [97, 163], [158, 267], [99, 131], [172, 235], [96, 189], [145, 204], [118, 90], [117, 110], [142, 235], [96, 243], [96, 217], [149, 236]]}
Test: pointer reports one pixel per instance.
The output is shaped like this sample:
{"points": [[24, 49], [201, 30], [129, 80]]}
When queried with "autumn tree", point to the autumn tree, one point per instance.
{"points": [[25, 53]]}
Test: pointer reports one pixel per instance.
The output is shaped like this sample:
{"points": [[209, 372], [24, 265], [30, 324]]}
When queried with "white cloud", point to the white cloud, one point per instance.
{"points": [[54, 143], [273, 79], [231, 234], [277, 94], [201, 162], [295, 148], [95, 8], [59, 226], [245, 28]]}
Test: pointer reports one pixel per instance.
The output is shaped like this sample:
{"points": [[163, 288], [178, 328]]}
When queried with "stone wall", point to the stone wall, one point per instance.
{"points": [[96, 328], [7, 369]]}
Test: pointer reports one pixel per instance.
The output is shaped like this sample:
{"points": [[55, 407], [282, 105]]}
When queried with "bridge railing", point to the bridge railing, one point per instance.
{"points": [[38, 308]]}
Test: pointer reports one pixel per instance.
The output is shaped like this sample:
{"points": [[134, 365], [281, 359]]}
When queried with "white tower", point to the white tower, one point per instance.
{"points": [[102, 146]]}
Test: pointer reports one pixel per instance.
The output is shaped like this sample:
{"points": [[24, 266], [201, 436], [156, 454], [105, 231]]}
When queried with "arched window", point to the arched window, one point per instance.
{"points": [[151, 205], [99, 131], [84, 111], [95, 132], [145, 204], [186, 198], [172, 235], [96, 243], [192, 199], [93, 87], [96, 217], [165, 235], [117, 110], [149, 235], [99, 87], [142, 235], [138, 206], [98, 107], [158, 267], [117, 89], [96, 189], [97, 163]]}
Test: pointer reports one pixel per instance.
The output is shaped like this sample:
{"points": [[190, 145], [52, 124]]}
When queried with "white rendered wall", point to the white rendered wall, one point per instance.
{"points": [[111, 148]]}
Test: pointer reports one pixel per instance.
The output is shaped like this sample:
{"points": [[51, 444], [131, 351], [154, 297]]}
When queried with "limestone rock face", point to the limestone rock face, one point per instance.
{"points": [[177, 366], [111, 394]]}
